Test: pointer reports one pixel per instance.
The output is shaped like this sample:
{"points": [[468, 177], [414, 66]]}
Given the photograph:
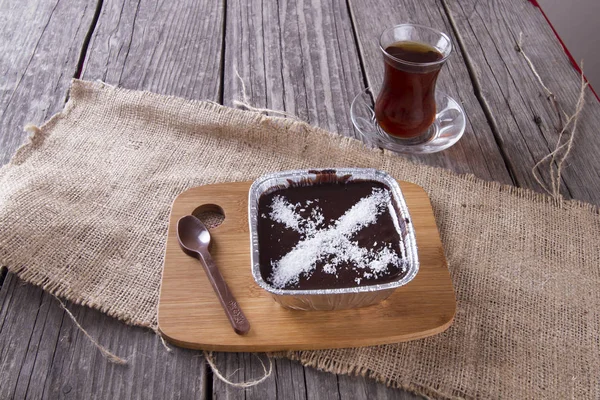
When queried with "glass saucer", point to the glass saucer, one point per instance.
{"points": [[447, 129]]}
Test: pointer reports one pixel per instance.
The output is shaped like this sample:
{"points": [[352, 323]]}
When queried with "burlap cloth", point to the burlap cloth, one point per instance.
{"points": [[84, 210]]}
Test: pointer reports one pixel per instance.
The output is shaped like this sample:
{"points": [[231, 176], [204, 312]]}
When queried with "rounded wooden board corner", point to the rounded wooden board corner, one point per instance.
{"points": [[190, 315]]}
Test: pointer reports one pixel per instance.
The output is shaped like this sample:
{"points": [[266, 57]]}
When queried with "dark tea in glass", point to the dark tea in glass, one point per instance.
{"points": [[413, 56]]}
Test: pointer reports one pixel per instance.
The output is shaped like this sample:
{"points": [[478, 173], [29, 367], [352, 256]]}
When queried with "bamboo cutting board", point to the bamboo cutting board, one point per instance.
{"points": [[189, 314]]}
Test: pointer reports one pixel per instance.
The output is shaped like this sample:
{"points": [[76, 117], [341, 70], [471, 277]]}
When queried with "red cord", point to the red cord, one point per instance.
{"points": [[567, 52]]}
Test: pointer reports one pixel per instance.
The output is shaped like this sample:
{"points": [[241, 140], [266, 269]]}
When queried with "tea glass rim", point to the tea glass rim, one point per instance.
{"points": [[411, 63]]}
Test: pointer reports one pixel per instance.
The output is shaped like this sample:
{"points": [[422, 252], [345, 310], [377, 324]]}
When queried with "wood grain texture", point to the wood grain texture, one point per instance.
{"points": [[171, 47], [476, 152], [322, 386], [19, 338], [190, 315], [298, 56], [44, 356], [39, 57], [40, 53], [291, 381], [369, 389], [526, 120]]}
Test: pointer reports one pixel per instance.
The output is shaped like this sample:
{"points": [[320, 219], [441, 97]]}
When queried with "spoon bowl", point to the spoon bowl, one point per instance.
{"points": [[193, 235]]}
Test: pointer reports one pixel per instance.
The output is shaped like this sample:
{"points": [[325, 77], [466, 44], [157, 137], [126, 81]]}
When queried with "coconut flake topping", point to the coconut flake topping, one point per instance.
{"points": [[331, 246]]}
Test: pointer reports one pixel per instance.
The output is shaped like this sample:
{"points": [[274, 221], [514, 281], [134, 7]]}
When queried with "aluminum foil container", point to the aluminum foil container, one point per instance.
{"points": [[334, 298]]}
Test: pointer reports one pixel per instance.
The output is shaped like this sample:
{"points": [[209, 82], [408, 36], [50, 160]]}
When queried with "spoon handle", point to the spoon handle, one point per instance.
{"points": [[238, 320]]}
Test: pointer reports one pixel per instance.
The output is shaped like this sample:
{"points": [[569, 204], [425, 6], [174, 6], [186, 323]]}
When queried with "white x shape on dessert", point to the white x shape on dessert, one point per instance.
{"points": [[333, 245]]}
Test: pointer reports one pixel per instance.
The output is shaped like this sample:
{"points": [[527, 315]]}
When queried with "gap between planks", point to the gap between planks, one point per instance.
{"points": [[479, 95]]}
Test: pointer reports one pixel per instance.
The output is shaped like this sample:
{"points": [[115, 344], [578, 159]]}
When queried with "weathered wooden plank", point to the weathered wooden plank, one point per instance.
{"points": [[290, 379], [80, 371], [42, 343], [301, 57], [46, 356], [526, 120], [20, 307], [311, 73], [477, 151], [169, 47], [298, 56], [60, 362], [39, 57], [369, 389], [40, 53], [231, 366], [325, 386]]}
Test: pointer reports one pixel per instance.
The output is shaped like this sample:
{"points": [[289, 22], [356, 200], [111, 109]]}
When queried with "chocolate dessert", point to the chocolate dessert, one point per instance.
{"points": [[329, 235]]}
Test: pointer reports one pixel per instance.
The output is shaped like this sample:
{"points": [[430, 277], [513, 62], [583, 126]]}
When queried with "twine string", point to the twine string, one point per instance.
{"points": [[208, 355], [244, 103], [113, 358], [561, 151], [162, 340]]}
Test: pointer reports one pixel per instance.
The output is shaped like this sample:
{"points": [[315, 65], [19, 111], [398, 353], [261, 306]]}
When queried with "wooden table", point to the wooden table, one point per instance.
{"points": [[307, 57]]}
